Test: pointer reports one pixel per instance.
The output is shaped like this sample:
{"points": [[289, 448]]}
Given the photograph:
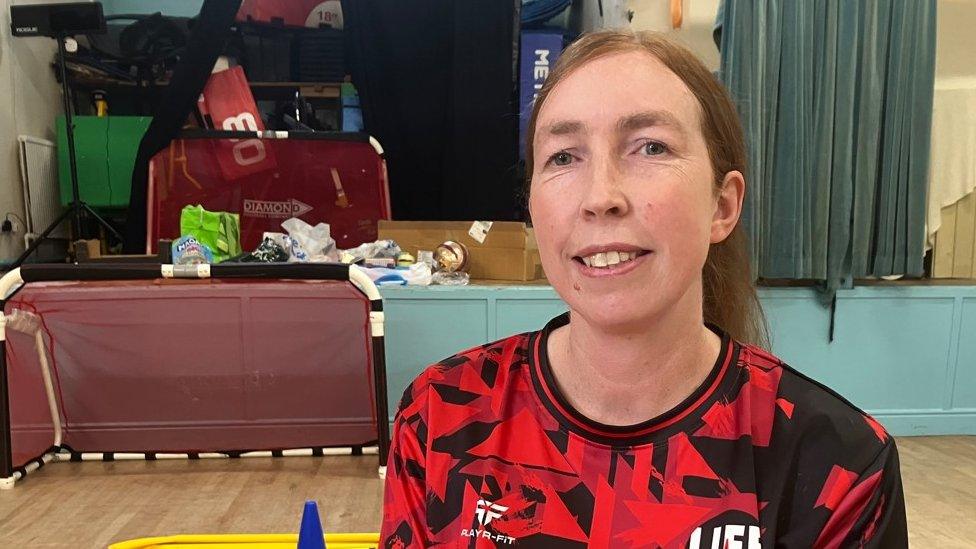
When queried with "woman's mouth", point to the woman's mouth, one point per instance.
{"points": [[609, 263]]}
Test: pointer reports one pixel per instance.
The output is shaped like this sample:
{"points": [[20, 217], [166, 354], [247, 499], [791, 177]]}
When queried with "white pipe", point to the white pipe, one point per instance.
{"points": [[376, 145], [7, 483], [126, 455], [376, 320], [34, 465], [201, 270], [28, 323], [364, 283], [167, 456], [52, 401], [10, 282], [134, 456]]}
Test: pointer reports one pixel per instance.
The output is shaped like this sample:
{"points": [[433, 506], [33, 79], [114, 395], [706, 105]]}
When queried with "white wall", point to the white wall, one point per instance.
{"points": [[955, 46], [30, 99], [955, 42], [695, 32], [655, 15], [586, 15]]}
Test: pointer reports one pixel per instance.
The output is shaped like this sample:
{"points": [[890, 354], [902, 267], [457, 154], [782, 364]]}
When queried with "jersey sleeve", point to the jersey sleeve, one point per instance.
{"points": [[867, 509], [404, 509]]}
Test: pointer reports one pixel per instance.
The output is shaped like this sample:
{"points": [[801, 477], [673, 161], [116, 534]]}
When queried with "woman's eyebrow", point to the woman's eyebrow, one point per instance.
{"points": [[565, 127], [648, 119]]}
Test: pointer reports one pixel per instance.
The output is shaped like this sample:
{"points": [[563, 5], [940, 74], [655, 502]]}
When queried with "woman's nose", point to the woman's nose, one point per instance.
{"points": [[604, 195]]}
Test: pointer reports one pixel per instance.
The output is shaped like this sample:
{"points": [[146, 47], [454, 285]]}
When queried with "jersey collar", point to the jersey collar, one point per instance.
{"points": [[626, 435]]}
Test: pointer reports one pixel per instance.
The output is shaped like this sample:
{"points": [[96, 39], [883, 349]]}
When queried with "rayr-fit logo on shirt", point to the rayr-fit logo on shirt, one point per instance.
{"points": [[486, 512]]}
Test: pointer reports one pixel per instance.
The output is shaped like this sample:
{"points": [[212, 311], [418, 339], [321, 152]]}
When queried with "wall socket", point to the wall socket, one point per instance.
{"points": [[11, 240]]}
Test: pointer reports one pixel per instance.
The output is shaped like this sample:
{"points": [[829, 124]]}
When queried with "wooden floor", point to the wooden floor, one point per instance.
{"points": [[940, 488], [89, 505], [83, 505]]}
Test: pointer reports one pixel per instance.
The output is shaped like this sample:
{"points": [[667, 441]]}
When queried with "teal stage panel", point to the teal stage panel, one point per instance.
{"points": [[904, 353]]}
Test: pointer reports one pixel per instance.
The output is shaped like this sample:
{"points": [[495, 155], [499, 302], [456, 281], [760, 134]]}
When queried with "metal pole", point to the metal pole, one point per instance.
{"points": [[70, 131], [6, 455], [382, 408]]}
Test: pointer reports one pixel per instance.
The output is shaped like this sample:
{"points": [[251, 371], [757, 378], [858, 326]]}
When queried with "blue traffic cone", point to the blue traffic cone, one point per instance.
{"points": [[310, 535]]}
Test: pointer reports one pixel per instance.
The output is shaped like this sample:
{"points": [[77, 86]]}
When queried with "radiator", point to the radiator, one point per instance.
{"points": [[39, 175]]}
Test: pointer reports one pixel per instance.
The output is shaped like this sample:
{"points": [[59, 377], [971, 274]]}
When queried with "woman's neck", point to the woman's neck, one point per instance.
{"points": [[620, 378]]}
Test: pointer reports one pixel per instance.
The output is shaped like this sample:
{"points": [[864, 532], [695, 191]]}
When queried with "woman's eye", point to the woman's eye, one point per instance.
{"points": [[653, 148], [561, 159]]}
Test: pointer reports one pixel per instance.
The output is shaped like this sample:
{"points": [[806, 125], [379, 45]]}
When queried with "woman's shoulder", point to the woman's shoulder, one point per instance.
{"points": [[804, 412], [471, 373]]}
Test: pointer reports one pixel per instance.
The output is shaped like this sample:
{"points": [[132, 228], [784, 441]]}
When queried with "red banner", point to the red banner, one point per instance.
{"points": [[227, 104]]}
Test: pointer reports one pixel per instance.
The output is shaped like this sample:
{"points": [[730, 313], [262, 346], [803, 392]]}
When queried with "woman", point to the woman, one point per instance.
{"points": [[642, 418]]}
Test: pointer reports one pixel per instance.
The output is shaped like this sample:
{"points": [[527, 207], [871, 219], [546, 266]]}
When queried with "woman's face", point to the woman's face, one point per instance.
{"points": [[622, 195]]}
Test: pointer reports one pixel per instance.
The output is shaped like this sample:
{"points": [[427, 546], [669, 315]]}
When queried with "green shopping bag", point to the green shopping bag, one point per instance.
{"points": [[219, 231]]}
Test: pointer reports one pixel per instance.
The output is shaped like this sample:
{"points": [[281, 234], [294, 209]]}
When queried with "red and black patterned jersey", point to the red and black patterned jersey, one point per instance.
{"points": [[488, 453]]}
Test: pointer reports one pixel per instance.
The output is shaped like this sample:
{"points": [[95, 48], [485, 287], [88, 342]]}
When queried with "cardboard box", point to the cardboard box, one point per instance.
{"points": [[508, 253]]}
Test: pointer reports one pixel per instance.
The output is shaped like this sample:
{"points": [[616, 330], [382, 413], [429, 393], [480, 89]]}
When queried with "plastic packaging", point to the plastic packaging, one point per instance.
{"points": [[189, 251], [308, 243], [417, 275], [269, 251], [382, 276], [387, 249], [294, 252], [427, 256], [456, 278]]}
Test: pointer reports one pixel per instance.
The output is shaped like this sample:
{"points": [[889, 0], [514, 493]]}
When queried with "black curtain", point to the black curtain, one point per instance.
{"points": [[437, 86], [205, 43]]}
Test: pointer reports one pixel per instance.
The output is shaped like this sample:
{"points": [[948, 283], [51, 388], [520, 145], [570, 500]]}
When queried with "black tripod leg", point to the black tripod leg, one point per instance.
{"points": [[37, 241], [101, 220]]}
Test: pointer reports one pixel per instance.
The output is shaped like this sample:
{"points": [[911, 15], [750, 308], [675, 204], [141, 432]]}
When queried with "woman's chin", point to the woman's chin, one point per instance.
{"points": [[614, 316]]}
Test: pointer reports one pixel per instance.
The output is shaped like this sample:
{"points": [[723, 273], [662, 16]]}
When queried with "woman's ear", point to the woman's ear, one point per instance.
{"points": [[728, 206]]}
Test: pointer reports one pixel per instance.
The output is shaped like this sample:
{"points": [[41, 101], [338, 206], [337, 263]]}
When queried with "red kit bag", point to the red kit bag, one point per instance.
{"points": [[227, 104]]}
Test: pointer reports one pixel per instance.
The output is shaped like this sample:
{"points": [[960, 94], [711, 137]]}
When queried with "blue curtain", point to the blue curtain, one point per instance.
{"points": [[836, 100]]}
